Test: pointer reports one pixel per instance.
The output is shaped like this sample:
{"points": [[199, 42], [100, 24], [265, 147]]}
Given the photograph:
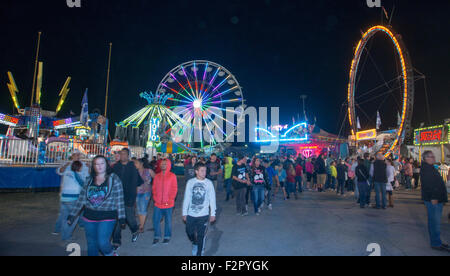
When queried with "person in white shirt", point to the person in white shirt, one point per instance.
{"points": [[73, 175], [199, 208], [390, 170]]}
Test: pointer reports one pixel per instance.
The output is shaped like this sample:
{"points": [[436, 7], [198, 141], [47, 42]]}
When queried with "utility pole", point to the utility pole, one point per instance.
{"points": [[303, 98], [107, 80], [35, 69]]}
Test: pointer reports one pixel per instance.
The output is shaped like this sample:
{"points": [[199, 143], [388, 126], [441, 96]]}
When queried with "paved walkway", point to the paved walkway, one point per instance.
{"points": [[315, 224]]}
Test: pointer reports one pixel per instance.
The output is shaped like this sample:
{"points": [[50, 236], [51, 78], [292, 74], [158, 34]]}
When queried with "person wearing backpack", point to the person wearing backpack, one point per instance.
{"points": [[74, 175]]}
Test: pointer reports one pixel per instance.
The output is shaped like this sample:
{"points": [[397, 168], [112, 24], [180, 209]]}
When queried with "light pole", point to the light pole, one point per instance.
{"points": [[304, 97]]}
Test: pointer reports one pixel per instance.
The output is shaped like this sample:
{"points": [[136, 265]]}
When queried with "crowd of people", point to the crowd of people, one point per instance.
{"points": [[108, 197]]}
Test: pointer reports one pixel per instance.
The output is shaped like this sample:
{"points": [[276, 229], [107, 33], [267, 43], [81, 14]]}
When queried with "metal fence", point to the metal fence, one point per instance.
{"points": [[16, 152]]}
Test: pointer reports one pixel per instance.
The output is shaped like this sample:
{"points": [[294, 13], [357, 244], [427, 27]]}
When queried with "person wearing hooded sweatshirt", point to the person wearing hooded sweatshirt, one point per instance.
{"points": [[165, 190], [228, 168]]}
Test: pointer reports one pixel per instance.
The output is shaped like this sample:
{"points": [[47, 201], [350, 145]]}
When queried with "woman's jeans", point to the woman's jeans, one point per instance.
{"points": [[158, 214], [434, 223], [258, 196], [98, 237], [62, 226], [142, 201], [363, 188]]}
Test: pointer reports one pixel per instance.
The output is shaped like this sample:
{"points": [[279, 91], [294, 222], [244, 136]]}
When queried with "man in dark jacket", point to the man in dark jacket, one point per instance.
{"points": [[434, 194], [378, 172], [129, 175]]}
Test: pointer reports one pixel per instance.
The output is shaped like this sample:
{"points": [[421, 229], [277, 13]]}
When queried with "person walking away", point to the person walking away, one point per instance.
{"points": [[165, 188], [214, 170], [272, 177], [72, 182], [378, 171], [341, 171], [363, 182], [416, 174], [129, 176], [241, 181], [282, 177], [199, 208], [102, 199], [299, 175], [320, 169], [434, 194], [259, 179], [408, 174], [290, 182], [144, 192], [228, 168], [333, 174], [309, 173], [391, 182]]}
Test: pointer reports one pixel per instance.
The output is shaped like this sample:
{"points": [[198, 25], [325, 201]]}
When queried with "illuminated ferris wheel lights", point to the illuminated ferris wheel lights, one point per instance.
{"points": [[197, 104]]}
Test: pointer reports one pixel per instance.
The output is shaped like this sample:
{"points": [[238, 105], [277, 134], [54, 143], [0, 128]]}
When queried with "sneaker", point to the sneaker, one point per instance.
{"points": [[166, 241], [245, 214], [258, 213], [55, 233], [259, 209], [155, 242], [115, 254], [441, 248], [270, 206], [194, 250], [134, 237]]}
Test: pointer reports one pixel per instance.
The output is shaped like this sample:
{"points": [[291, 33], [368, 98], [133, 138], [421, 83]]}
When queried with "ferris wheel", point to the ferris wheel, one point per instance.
{"points": [[205, 94], [399, 90]]}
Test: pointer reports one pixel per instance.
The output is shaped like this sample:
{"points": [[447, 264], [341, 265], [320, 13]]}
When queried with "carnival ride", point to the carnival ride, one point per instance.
{"points": [[158, 120], [203, 92], [404, 82]]}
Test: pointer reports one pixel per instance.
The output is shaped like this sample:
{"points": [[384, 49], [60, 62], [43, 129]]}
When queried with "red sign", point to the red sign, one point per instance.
{"points": [[431, 135]]}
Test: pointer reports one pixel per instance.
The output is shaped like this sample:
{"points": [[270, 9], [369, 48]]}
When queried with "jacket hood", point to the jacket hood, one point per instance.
{"points": [[169, 165]]}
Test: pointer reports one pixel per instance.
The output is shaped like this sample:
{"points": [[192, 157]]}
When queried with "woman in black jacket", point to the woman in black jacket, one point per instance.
{"points": [[363, 182]]}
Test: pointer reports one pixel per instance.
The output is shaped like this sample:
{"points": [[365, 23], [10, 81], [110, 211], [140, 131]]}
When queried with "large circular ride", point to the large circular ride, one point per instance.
{"points": [[407, 84], [203, 91]]}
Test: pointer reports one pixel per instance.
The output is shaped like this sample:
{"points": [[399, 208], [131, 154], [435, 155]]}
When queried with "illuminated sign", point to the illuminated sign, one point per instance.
{"points": [[153, 134], [297, 133], [436, 135], [65, 123], [366, 135], [8, 120]]}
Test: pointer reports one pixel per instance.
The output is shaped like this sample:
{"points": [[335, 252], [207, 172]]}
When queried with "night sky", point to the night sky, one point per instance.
{"points": [[277, 50]]}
